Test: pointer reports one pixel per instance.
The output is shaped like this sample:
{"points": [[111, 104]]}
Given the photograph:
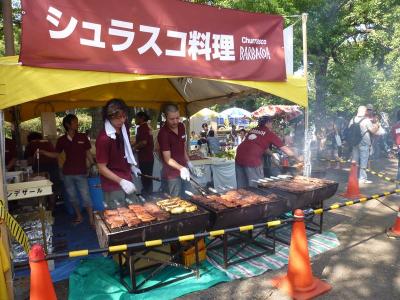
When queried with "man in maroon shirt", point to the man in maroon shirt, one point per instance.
{"points": [[10, 154], [144, 146], [76, 147], [114, 155], [172, 141], [249, 154]]}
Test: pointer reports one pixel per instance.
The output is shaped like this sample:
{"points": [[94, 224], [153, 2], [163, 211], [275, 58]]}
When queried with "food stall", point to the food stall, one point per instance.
{"points": [[35, 86]]}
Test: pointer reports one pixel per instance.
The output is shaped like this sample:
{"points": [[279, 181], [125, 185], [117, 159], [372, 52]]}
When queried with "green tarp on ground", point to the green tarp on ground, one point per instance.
{"points": [[98, 279]]}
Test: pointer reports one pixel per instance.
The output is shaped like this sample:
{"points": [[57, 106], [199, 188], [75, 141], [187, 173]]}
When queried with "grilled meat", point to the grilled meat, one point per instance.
{"points": [[111, 212], [115, 221]]}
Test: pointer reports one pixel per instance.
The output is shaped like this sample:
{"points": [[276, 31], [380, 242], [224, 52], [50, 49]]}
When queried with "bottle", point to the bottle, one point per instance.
{"points": [[285, 161]]}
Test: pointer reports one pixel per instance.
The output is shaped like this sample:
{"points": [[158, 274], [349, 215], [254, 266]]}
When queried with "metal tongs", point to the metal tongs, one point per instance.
{"points": [[198, 186], [141, 198], [150, 177]]}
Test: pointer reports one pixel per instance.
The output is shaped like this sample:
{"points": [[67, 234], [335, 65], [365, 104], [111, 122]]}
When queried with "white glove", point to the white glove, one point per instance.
{"points": [[127, 186], [136, 170], [191, 167], [185, 174]]}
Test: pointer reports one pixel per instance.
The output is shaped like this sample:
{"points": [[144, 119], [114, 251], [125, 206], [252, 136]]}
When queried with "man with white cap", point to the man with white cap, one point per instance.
{"points": [[361, 149]]}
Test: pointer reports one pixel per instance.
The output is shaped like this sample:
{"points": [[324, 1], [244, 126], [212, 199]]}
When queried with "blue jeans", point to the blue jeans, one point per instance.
{"points": [[75, 184], [360, 156]]}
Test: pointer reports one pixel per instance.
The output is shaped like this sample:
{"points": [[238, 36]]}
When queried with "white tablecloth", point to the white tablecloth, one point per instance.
{"points": [[224, 174]]}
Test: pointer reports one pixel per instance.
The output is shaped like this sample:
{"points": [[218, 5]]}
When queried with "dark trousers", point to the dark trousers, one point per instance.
{"points": [[147, 169]]}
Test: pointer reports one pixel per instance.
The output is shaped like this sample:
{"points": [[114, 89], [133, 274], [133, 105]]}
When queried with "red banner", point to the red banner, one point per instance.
{"points": [[152, 37]]}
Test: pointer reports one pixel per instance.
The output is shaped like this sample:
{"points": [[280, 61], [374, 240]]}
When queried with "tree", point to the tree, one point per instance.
{"points": [[10, 27], [345, 40]]}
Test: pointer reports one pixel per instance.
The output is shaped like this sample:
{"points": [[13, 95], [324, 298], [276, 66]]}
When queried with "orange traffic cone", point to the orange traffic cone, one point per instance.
{"points": [[299, 281], [41, 284], [394, 231], [353, 191]]}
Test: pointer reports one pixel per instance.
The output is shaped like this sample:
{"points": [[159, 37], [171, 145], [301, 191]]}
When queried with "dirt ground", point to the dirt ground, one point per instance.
{"points": [[366, 265]]}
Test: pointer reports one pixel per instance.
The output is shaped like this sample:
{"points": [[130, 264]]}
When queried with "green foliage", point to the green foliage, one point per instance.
{"points": [[353, 50], [85, 122], [16, 6]]}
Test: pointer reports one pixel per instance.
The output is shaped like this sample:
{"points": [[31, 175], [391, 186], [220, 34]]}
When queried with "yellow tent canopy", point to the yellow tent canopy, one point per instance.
{"points": [[38, 90]]}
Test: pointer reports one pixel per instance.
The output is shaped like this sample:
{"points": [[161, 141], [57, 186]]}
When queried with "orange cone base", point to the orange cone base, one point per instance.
{"points": [[393, 233], [317, 288], [351, 196]]}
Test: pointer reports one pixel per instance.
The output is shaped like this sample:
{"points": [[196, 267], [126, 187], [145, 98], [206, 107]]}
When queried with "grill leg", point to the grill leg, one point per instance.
{"points": [[132, 271], [321, 221], [321, 218], [225, 250], [196, 252], [121, 269], [274, 241]]}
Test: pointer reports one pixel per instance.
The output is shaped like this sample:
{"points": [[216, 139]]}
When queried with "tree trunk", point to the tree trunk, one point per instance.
{"points": [[8, 28], [321, 88], [97, 122]]}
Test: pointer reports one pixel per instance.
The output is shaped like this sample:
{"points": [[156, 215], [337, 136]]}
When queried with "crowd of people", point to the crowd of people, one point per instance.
{"points": [[368, 135]]}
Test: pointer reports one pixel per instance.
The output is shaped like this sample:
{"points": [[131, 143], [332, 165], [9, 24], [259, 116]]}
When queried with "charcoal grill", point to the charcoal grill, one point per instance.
{"points": [[176, 225], [310, 198], [241, 216], [301, 199]]}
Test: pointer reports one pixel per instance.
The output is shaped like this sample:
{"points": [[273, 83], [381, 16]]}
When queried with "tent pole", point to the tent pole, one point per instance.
{"points": [[307, 133], [17, 132], [4, 237]]}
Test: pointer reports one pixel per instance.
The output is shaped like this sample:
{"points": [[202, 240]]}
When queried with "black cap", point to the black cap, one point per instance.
{"points": [[264, 120]]}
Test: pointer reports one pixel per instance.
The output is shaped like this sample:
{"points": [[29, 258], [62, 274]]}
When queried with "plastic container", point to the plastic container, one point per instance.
{"points": [[189, 256], [96, 193], [14, 177]]}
